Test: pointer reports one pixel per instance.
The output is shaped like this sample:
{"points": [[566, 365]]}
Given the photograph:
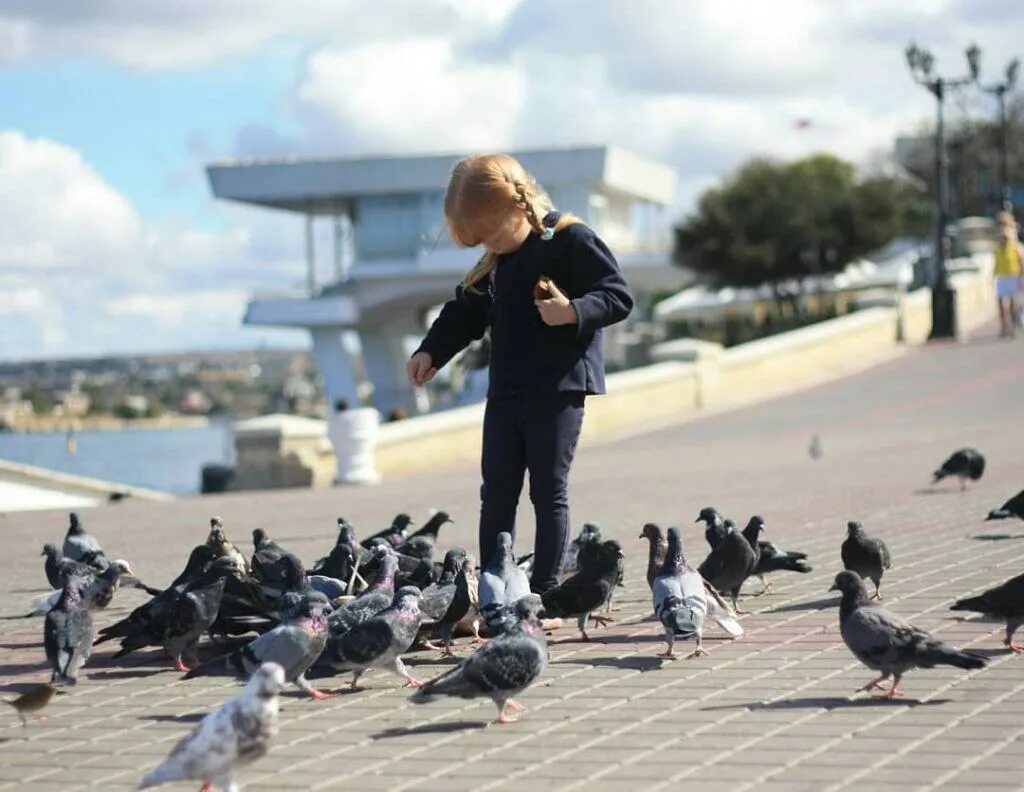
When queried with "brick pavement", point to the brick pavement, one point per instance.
{"points": [[775, 710]]}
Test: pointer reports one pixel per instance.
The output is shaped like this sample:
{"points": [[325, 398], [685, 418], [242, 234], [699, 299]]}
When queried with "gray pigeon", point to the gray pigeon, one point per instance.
{"points": [[59, 568], [865, 555], [82, 546], [815, 450], [682, 599], [1005, 601], [502, 668], [967, 463], [67, 633], [381, 641], [295, 644], [886, 643], [502, 584], [1014, 507], [238, 733], [729, 565]]}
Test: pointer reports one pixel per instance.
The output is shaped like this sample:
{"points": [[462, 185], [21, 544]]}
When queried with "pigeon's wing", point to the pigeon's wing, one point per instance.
{"points": [[665, 586], [504, 665], [492, 589], [436, 600], [878, 638], [575, 596], [356, 612], [883, 551], [288, 645], [517, 585], [365, 642]]}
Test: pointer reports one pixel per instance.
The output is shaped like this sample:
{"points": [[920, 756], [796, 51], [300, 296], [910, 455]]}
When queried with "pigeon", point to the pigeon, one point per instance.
{"points": [[438, 596], [682, 599], [432, 527], [420, 544], [886, 643], [715, 531], [381, 641], [470, 623], [457, 604], [815, 450], [377, 598], [729, 565], [1014, 507], [395, 534], [418, 572], [295, 644], [238, 733], [590, 535], [865, 555], [771, 557], [1005, 601], [220, 544], [343, 560], [502, 584], [656, 556], [332, 588], [59, 569], [67, 633], [967, 463], [500, 669], [99, 588], [33, 700], [588, 589], [82, 546], [277, 569], [176, 619], [199, 561]]}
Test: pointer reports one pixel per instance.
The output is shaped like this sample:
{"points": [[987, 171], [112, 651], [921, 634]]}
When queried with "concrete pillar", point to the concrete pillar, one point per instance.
{"points": [[384, 358], [310, 257], [335, 365]]}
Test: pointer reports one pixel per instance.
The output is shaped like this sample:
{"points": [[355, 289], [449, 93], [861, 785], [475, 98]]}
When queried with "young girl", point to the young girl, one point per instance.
{"points": [[1009, 274], [546, 351]]}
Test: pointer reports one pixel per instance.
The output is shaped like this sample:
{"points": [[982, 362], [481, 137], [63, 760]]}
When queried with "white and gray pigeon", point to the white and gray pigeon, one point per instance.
{"points": [[682, 600], [381, 641], [502, 668], [82, 546], [866, 555], [502, 585], [236, 734], [886, 643], [68, 633], [294, 644], [967, 463], [99, 588]]}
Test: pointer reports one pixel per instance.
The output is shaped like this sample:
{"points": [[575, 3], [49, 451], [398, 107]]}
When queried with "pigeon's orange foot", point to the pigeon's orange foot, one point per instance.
{"points": [[412, 682], [668, 655], [892, 693], [601, 621], [319, 695], [503, 716], [874, 684], [179, 665], [515, 705], [1014, 647], [700, 651]]}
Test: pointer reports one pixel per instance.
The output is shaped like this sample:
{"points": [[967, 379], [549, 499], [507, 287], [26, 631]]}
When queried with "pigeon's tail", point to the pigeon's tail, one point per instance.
{"points": [[159, 775], [452, 683], [977, 604], [937, 653], [153, 592], [790, 562], [730, 625], [999, 514]]}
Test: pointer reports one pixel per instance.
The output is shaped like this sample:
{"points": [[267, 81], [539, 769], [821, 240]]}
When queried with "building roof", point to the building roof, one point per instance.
{"points": [[327, 185]]}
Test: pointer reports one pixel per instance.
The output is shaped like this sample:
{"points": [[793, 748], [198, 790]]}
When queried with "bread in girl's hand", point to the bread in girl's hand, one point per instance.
{"points": [[544, 289]]}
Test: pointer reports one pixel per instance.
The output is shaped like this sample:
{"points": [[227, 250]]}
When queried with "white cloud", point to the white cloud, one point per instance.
{"points": [[174, 310]]}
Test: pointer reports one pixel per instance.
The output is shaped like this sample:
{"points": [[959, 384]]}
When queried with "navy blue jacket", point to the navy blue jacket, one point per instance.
{"points": [[527, 356]]}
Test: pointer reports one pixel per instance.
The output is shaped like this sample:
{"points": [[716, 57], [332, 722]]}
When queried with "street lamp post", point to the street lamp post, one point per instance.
{"points": [[921, 63], [999, 91]]}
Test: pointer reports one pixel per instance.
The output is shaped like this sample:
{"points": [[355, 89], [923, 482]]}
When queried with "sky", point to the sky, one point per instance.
{"points": [[111, 243]]}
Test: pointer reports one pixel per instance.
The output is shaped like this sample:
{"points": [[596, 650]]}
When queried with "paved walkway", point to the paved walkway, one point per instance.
{"points": [[773, 711]]}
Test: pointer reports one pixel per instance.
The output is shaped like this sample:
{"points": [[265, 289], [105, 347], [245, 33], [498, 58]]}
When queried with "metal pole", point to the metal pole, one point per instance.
{"points": [[1004, 176], [942, 178]]}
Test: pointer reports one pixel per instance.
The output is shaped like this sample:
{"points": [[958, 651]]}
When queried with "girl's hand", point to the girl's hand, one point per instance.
{"points": [[556, 310], [420, 369]]}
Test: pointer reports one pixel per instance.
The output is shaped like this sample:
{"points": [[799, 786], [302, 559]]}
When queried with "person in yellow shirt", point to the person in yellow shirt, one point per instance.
{"points": [[1009, 274]]}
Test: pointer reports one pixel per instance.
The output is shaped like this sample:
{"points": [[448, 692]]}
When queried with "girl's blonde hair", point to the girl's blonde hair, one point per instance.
{"points": [[481, 193]]}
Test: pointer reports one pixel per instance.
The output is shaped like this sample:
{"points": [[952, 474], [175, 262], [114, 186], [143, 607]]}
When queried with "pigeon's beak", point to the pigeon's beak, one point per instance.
{"points": [[833, 587], [697, 520]]}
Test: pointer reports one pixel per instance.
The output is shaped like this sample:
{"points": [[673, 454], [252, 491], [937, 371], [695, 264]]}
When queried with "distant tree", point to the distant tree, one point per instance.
{"points": [[775, 221]]}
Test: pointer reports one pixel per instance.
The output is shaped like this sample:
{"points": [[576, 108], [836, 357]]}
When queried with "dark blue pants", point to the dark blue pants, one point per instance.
{"points": [[536, 434]]}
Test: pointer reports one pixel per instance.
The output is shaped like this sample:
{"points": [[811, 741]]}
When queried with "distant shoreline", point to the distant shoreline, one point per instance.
{"points": [[105, 423]]}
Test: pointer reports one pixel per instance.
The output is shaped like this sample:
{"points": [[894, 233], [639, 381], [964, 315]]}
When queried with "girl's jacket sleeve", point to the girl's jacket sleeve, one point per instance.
{"points": [[462, 319], [605, 297]]}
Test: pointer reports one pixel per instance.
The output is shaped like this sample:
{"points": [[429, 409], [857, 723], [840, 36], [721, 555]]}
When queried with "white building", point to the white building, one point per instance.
{"points": [[392, 261]]}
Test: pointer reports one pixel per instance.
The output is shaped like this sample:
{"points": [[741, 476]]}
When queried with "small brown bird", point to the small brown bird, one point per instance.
{"points": [[33, 700]]}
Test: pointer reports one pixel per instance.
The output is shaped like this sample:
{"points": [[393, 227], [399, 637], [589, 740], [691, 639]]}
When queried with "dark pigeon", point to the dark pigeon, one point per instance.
{"points": [[343, 560], [729, 565], [967, 463], [395, 534], [376, 599], [715, 530], [656, 552], [438, 596], [458, 606], [274, 566], [1014, 507], [865, 555], [82, 546], [1005, 601], [295, 644], [59, 569], [416, 572], [67, 633], [432, 528], [175, 619], [588, 540], [381, 641], [771, 557], [502, 668], [588, 589], [502, 584], [886, 643]]}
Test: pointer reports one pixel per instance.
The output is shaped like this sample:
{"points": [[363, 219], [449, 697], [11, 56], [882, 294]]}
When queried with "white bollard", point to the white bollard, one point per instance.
{"points": [[353, 433]]}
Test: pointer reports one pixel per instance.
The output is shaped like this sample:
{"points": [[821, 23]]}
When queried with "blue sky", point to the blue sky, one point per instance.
{"points": [[112, 242]]}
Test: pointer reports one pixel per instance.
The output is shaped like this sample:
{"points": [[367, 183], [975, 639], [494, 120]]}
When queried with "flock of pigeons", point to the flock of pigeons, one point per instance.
{"points": [[368, 603]]}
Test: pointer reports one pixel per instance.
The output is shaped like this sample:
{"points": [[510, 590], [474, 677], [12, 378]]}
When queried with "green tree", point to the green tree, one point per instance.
{"points": [[775, 221]]}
